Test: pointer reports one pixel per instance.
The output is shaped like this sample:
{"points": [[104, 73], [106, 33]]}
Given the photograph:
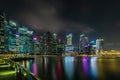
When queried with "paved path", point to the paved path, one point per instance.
{"points": [[6, 72]]}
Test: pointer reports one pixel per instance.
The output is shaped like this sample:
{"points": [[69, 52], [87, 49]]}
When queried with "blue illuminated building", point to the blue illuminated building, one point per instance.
{"points": [[25, 40], [99, 45], [17, 39], [36, 43]]}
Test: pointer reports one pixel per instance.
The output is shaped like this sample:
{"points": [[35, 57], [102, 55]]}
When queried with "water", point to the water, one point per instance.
{"points": [[74, 68]]}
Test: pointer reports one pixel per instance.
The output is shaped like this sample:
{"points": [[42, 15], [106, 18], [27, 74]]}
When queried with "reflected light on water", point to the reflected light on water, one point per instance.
{"points": [[90, 66], [59, 69], [34, 68], [24, 64], [45, 63], [54, 76], [75, 68], [85, 65], [93, 67], [29, 67], [69, 67]]}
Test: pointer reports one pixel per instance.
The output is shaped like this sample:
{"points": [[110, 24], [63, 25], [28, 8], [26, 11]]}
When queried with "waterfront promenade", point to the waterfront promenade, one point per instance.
{"points": [[10, 70], [7, 72]]}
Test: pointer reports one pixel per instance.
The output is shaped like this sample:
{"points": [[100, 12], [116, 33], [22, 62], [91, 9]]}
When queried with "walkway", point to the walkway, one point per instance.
{"points": [[7, 72]]}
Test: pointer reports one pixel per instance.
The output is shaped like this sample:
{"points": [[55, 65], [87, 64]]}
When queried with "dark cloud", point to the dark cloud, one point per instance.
{"points": [[97, 17]]}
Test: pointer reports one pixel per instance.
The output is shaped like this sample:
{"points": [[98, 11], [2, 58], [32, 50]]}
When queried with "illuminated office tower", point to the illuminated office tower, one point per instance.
{"points": [[69, 48], [5, 31], [83, 44], [41, 45], [47, 43], [44, 42], [60, 47], [10, 36], [14, 38], [25, 38], [93, 46], [2, 39], [36, 45], [99, 45], [8, 30], [69, 39], [54, 44], [22, 31], [29, 42]]}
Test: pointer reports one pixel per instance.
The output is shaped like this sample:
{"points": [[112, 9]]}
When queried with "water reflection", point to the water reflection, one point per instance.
{"points": [[59, 70], [29, 63], [34, 69], [69, 67], [54, 76], [90, 67], [86, 65], [24, 64], [45, 59], [93, 67], [74, 68]]}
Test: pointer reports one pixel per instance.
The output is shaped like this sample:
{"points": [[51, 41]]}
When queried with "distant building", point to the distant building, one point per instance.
{"points": [[93, 46], [8, 30], [69, 48], [69, 39], [51, 44], [60, 46], [10, 36], [15, 38], [36, 42], [47, 43], [25, 40], [54, 44], [44, 44], [30, 42], [2, 39], [41, 44], [83, 44], [99, 45]]}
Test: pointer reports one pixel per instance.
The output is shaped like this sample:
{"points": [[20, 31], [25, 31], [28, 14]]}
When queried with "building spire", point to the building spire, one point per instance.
{"points": [[1, 17], [5, 20], [4, 16]]}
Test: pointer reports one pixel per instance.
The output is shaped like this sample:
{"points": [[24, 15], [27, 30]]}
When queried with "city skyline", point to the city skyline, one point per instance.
{"points": [[94, 18]]}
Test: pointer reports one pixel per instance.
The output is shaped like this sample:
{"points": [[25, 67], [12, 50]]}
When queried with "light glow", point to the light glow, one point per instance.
{"points": [[7, 73]]}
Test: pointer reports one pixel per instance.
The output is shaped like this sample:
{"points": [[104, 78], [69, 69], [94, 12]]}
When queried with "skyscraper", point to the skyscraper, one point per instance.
{"points": [[54, 44], [36, 42], [10, 36], [60, 46], [25, 40], [69, 39], [41, 45], [69, 48], [47, 43], [83, 44], [99, 45], [2, 39]]}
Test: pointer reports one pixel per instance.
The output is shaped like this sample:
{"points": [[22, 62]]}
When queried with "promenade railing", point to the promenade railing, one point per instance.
{"points": [[21, 72]]}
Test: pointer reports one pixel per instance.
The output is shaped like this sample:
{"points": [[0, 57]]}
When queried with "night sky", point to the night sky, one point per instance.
{"points": [[95, 18]]}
